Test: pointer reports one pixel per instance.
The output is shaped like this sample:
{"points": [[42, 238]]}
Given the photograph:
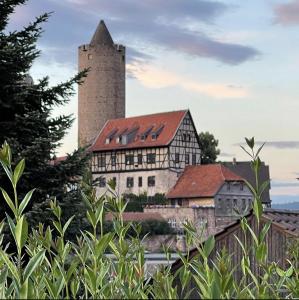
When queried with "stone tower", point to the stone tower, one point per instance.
{"points": [[102, 95]]}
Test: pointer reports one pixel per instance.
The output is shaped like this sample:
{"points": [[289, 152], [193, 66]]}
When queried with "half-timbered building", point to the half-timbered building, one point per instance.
{"points": [[145, 153]]}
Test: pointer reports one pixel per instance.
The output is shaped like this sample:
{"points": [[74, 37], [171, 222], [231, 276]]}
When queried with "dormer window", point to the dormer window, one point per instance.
{"points": [[110, 136], [145, 134], [157, 132], [121, 136], [124, 139]]}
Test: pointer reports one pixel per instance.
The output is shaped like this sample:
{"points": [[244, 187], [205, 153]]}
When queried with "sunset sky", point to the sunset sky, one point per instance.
{"points": [[234, 64]]}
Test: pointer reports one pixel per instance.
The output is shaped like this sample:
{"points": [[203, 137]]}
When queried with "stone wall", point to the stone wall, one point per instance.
{"points": [[102, 95], [203, 218]]}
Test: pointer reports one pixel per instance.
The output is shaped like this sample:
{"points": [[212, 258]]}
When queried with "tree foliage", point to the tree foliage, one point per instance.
{"points": [[26, 119], [208, 145]]}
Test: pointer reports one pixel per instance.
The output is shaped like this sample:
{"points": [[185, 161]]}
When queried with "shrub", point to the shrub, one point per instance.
{"points": [[137, 202], [46, 265], [148, 227]]}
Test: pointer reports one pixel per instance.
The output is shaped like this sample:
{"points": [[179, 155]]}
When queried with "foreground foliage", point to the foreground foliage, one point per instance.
{"points": [[46, 265]]}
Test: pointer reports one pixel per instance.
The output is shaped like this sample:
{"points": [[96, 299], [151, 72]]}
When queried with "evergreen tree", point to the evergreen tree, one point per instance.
{"points": [[208, 145], [26, 120]]}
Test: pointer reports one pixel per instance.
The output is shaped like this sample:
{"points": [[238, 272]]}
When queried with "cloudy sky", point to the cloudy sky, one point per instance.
{"points": [[234, 64]]}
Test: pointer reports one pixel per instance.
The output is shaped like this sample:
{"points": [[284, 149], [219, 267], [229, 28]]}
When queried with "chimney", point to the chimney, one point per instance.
{"points": [[234, 161]]}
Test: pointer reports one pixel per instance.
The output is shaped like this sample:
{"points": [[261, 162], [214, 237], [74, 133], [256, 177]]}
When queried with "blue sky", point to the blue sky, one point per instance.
{"points": [[234, 64]]}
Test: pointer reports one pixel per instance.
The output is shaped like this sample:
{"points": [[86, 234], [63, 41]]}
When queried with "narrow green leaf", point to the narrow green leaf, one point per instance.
{"points": [[243, 148], [8, 201], [50, 288], [261, 251], [21, 231], [8, 173], [209, 245], [3, 275], [10, 291], [103, 243], [280, 272], [257, 208], [91, 218], [264, 231], [66, 225], [12, 226], [252, 189], [252, 234], [18, 171], [34, 262], [289, 272], [75, 284], [24, 290], [250, 142], [71, 270], [12, 268], [241, 244], [25, 201], [91, 279], [263, 186], [259, 149], [58, 227], [86, 200]]}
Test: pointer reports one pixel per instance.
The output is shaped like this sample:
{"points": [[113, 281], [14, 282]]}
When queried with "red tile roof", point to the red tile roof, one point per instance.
{"points": [[57, 160], [202, 181], [136, 216], [167, 123]]}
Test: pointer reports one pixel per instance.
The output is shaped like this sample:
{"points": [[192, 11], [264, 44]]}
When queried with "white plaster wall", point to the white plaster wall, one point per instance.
{"points": [[164, 180]]}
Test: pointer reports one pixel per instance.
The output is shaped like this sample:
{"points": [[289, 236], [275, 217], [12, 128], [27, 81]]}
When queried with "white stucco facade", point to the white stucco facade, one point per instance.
{"points": [[163, 181]]}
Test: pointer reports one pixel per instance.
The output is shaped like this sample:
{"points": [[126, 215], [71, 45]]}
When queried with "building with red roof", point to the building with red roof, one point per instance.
{"points": [[209, 196], [145, 153]]}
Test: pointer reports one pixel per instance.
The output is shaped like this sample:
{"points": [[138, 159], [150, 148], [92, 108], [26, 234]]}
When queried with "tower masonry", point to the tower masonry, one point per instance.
{"points": [[102, 95]]}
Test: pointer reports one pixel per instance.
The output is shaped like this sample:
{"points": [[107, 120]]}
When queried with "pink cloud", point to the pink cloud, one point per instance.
{"points": [[287, 14], [153, 77]]}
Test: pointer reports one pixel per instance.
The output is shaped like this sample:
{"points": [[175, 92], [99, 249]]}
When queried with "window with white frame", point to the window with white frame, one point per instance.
{"points": [[172, 223]]}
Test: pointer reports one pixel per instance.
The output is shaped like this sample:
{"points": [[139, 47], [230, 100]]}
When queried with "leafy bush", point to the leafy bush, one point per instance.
{"points": [[137, 202], [148, 227], [46, 265]]}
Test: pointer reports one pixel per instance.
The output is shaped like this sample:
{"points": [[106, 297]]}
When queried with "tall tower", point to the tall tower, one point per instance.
{"points": [[102, 95]]}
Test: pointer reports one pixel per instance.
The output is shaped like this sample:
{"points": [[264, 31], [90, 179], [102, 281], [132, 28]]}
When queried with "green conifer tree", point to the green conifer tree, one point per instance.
{"points": [[26, 120]]}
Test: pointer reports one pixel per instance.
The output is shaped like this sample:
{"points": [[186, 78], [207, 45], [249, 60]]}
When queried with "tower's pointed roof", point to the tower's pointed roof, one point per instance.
{"points": [[102, 35]]}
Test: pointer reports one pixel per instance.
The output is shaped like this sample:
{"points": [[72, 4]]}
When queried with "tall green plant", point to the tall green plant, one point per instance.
{"points": [[112, 265]]}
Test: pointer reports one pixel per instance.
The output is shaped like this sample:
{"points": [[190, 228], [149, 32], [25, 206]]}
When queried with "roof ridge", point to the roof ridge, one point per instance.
{"points": [[152, 114]]}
